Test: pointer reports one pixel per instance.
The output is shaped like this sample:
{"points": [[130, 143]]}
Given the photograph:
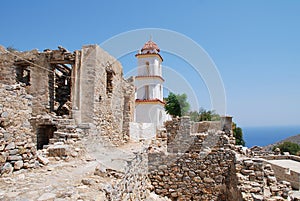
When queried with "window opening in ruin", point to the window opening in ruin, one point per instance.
{"points": [[62, 89], [23, 74], [109, 80], [44, 134], [147, 68]]}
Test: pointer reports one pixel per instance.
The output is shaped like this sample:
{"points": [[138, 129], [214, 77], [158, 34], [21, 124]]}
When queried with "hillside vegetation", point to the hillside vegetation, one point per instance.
{"points": [[294, 139]]}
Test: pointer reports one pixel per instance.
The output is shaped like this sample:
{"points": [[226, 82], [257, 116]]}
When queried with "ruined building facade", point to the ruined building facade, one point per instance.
{"points": [[62, 91]]}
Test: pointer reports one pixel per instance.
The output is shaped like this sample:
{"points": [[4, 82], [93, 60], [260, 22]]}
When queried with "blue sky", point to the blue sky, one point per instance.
{"points": [[255, 44]]}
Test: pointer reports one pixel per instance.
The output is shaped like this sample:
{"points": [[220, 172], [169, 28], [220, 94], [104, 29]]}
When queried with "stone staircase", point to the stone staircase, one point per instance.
{"points": [[63, 138], [66, 130]]}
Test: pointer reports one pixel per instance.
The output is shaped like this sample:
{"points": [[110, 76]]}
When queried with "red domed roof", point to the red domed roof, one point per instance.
{"points": [[150, 45]]}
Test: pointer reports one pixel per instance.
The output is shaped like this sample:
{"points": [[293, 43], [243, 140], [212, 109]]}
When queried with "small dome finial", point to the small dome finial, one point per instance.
{"points": [[150, 46]]}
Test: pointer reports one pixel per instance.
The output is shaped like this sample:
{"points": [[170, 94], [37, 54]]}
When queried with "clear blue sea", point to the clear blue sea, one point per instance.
{"points": [[263, 136]]}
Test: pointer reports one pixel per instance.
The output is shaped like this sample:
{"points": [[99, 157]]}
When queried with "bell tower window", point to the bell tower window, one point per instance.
{"points": [[147, 68]]}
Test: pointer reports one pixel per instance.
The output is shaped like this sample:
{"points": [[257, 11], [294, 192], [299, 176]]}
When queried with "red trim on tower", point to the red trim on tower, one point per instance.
{"points": [[149, 76], [150, 101]]}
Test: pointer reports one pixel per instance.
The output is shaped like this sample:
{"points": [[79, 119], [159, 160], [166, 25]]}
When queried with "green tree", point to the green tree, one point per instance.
{"points": [[177, 105], [238, 134], [184, 105], [292, 148]]}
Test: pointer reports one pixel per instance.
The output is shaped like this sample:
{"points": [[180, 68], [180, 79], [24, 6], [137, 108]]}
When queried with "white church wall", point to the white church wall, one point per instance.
{"points": [[142, 131], [149, 113]]}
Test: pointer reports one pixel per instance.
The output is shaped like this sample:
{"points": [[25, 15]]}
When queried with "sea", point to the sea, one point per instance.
{"points": [[266, 135]]}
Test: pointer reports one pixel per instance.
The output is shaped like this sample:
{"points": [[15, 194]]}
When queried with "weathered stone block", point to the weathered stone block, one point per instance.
{"points": [[14, 158], [3, 158], [58, 150], [11, 145], [7, 169], [18, 165], [43, 160]]}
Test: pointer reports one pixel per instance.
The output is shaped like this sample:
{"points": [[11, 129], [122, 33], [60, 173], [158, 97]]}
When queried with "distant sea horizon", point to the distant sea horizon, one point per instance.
{"points": [[265, 135]]}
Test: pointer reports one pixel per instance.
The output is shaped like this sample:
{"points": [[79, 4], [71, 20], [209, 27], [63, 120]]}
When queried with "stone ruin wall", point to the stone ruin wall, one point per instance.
{"points": [[17, 141], [188, 177], [207, 165], [197, 166], [113, 95], [134, 183]]}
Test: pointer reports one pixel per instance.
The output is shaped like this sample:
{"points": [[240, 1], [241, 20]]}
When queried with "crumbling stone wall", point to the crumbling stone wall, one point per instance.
{"points": [[38, 71], [198, 166], [225, 124], [191, 177], [183, 137], [17, 141], [7, 72], [283, 173], [134, 183]]}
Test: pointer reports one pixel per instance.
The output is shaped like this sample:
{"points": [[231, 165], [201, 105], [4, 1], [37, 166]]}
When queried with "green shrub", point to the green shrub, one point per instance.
{"points": [[292, 148]]}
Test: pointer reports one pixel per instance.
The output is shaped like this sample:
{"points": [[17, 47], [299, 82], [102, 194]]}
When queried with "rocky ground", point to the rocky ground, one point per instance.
{"points": [[86, 177], [60, 180]]}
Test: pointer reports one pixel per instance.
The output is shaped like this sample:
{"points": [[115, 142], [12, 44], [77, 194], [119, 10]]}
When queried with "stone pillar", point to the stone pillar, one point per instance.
{"points": [[7, 69], [87, 83], [39, 88], [179, 138], [75, 88], [226, 123]]}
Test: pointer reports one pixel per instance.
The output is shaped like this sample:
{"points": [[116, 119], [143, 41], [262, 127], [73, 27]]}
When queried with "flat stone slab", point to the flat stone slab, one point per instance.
{"points": [[291, 164]]}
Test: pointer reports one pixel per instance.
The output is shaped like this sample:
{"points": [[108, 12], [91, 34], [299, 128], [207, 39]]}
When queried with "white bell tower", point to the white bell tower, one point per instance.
{"points": [[149, 86]]}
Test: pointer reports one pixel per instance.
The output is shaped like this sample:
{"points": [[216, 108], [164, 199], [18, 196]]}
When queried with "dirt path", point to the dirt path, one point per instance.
{"points": [[59, 180], [68, 180]]}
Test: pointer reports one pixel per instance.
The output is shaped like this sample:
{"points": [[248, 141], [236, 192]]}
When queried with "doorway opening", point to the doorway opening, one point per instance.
{"points": [[44, 134]]}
